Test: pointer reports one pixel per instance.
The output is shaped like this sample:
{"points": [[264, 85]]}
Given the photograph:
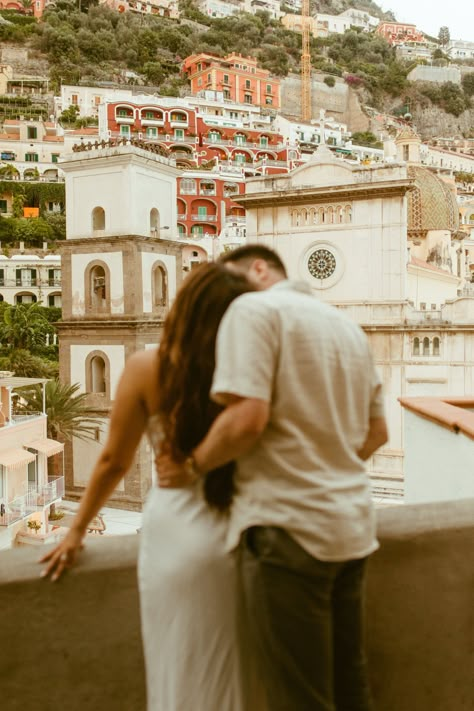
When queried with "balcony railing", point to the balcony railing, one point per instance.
{"points": [[207, 191], [14, 511], [182, 216], [152, 122], [125, 119], [204, 218], [33, 284], [25, 415], [45, 495]]}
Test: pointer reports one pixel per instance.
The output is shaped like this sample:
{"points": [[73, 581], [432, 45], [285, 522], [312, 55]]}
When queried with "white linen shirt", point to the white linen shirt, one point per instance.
{"points": [[314, 366]]}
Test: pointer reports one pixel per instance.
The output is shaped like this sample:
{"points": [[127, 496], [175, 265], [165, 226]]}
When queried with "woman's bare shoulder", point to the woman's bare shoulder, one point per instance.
{"points": [[142, 366]]}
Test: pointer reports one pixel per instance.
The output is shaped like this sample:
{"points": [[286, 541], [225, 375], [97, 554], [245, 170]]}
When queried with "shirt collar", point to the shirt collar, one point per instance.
{"points": [[301, 286]]}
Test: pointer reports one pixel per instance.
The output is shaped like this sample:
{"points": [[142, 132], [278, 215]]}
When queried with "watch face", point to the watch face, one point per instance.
{"points": [[322, 264]]}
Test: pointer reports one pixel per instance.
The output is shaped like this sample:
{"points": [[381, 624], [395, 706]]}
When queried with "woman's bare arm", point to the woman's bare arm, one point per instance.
{"points": [[127, 424]]}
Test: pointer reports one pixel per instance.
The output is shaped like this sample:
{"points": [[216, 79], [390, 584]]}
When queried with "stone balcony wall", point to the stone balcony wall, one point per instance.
{"points": [[75, 644]]}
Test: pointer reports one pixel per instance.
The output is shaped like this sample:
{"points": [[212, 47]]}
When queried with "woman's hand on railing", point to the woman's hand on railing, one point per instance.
{"points": [[63, 556]]}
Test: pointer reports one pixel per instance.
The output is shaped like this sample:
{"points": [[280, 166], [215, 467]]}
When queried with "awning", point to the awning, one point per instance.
{"points": [[46, 446], [13, 458]]}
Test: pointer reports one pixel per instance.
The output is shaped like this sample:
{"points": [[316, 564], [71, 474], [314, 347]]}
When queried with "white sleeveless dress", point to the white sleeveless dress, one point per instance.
{"points": [[192, 627]]}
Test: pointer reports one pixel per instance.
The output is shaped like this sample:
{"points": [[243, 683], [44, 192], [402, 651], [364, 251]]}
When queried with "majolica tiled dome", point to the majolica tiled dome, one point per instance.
{"points": [[431, 204]]}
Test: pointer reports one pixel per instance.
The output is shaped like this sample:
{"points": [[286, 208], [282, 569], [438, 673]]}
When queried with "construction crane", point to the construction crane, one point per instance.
{"points": [[306, 64]]}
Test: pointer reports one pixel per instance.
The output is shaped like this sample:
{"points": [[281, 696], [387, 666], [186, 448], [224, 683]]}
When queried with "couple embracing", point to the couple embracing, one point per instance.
{"points": [[261, 404]]}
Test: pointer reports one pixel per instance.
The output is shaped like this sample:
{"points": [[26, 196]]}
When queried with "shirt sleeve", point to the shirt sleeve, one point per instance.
{"points": [[246, 352]]}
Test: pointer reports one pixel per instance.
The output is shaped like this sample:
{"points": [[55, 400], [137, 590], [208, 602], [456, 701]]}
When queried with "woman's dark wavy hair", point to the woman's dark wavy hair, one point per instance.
{"points": [[186, 362]]}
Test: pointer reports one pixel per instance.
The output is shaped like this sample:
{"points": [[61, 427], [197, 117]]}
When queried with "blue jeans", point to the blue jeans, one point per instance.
{"points": [[307, 620]]}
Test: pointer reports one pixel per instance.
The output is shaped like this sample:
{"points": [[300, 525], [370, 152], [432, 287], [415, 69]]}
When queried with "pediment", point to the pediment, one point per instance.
{"points": [[322, 174]]}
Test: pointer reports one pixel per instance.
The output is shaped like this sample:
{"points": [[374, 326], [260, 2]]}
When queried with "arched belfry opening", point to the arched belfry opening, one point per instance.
{"points": [[98, 219]]}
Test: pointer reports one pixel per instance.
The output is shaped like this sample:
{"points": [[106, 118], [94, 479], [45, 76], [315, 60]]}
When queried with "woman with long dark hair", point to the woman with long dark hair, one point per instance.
{"points": [[188, 586]]}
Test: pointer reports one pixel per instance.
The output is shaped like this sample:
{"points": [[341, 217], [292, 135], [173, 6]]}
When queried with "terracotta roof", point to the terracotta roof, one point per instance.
{"points": [[426, 265], [84, 132], [449, 412], [9, 137], [59, 139], [11, 122]]}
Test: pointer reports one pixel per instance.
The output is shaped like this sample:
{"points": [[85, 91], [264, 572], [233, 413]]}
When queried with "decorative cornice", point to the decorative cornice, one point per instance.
{"points": [[304, 196]]}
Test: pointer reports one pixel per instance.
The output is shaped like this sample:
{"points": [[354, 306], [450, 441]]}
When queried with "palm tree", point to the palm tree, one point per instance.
{"points": [[24, 326], [67, 410], [27, 6]]}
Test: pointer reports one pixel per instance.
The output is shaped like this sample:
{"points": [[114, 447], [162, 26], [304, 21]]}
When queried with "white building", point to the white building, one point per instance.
{"points": [[87, 98], [416, 50], [460, 49], [359, 18], [332, 24], [309, 134], [439, 448], [220, 8], [382, 242], [27, 458], [31, 278]]}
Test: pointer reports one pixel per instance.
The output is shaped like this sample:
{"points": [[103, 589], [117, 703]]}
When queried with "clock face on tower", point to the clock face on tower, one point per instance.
{"points": [[321, 264]]}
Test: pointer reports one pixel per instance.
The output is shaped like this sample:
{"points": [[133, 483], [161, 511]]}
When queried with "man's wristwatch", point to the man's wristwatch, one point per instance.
{"points": [[191, 468]]}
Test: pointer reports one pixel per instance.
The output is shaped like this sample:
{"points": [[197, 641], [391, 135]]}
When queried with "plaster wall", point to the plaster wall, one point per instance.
{"points": [[148, 260], [425, 287], [78, 355], [419, 611], [79, 262], [439, 464]]}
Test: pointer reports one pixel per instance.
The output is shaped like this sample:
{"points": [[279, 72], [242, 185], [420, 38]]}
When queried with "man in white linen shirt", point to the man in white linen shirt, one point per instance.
{"points": [[303, 409]]}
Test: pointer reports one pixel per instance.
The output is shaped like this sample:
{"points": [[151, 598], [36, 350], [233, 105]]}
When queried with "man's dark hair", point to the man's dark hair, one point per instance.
{"points": [[248, 252]]}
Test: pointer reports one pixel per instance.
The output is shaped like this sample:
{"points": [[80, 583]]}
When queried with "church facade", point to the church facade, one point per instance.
{"points": [[382, 243]]}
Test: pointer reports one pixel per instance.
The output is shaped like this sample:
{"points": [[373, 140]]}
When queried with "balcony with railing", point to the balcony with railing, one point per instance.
{"points": [[204, 218], [44, 495], [419, 620]]}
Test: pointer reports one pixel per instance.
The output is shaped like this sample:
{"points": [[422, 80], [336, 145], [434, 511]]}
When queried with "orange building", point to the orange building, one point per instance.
{"points": [[238, 77], [399, 32], [37, 7]]}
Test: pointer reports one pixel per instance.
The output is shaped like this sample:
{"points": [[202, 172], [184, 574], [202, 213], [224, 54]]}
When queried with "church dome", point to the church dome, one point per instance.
{"points": [[431, 203]]}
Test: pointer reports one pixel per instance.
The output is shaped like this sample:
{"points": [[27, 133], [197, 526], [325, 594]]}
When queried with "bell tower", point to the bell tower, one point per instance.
{"points": [[119, 278]]}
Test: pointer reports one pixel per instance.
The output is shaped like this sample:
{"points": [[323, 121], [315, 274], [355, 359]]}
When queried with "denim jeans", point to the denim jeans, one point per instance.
{"points": [[307, 621]]}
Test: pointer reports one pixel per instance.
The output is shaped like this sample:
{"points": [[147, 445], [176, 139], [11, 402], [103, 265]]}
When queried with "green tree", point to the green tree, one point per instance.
{"points": [[468, 84], [26, 365], [27, 6], [24, 326], [444, 35], [67, 410]]}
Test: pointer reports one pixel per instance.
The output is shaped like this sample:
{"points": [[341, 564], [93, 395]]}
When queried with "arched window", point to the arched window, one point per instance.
{"points": [[98, 374], [330, 217], [97, 366], [436, 346], [160, 285], [97, 288], [348, 214], [339, 215], [416, 346], [98, 219], [154, 221], [188, 186], [304, 216], [426, 346]]}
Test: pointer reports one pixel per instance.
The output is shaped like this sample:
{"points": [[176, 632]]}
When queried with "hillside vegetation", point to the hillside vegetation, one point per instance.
{"points": [[99, 44]]}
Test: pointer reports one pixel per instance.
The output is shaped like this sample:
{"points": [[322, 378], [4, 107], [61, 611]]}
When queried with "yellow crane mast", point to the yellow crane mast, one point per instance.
{"points": [[306, 64]]}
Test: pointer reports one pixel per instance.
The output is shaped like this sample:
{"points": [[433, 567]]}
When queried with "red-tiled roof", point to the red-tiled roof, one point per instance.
{"points": [[57, 139], [11, 122], [450, 412]]}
